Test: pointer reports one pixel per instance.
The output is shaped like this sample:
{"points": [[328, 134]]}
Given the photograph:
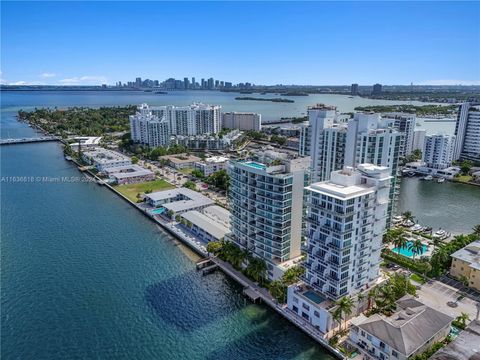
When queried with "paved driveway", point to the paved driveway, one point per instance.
{"points": [[437, 295]]}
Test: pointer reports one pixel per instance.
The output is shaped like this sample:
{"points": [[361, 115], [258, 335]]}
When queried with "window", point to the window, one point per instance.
{"points": [[305, 306], [316, 313], [295, 300], [394, 354], [369, 337]]}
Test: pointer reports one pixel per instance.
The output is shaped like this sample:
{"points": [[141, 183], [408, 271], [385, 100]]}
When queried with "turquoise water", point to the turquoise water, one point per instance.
{"points": [[255, 165], [158, 211], [312, 295], [86, 276], [405, 251]]}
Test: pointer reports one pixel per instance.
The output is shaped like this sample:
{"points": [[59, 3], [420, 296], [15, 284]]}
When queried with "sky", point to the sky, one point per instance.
{"points": [[315, 43]]}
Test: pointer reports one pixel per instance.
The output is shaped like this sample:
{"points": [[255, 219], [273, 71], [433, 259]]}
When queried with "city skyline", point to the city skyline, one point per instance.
{"points": [[95, 44]]}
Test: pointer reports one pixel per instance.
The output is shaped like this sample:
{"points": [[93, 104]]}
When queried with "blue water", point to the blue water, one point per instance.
{"points": [[255, 165], [85, 276], [406, 251], [312, 295], [158, 211]]}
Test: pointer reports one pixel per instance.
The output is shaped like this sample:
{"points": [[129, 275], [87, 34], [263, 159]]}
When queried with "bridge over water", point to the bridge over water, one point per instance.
{"points": [[28, 140]]}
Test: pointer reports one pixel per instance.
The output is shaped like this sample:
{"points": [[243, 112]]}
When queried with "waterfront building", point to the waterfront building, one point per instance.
{"points": [[211, 224], [466, 264], [404, 123], [178, 201], [410, 330], [467, 132], [129, 174], [85, 142], [180, 161], [354, 89], [439, 151], [419, 139], [194, 119], [186, 83], [377, 89], [104, 159], [346, 219], [266, 203], [212, 164], [150, 129], [242, 121]]}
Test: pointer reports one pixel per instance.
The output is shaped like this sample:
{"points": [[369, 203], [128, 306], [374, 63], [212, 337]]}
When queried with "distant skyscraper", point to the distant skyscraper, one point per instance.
{"points": [[354, 89], [186, 83], [210, 84], [193, 83], [377, 89], [203, 84], [467, 132], [138, 82], [228, 84], [438, 151], [217, 84]]}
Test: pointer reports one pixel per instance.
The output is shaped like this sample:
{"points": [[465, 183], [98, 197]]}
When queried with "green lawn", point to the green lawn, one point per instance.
{"points": [[417, 278], [463, 178], [131, 191]]}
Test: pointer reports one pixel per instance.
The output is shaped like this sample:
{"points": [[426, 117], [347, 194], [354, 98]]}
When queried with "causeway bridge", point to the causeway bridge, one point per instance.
{"points": [[28, 140]]}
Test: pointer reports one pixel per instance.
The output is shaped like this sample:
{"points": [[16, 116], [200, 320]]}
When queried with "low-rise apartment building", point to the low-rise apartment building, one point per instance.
{"points": [[207, 225], [104, 159], [212, 164], [466, 264], [411, 330], [129, 174], [178, 201], [180, 161]]}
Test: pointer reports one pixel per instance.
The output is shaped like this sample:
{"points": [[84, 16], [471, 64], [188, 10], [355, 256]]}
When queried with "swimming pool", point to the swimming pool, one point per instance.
{"points": [[405, 251], [157, 211], [255, 165], [312, 295]]}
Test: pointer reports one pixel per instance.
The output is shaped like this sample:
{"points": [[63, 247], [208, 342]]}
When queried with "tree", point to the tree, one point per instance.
{"points": [[197, 173], [476, 230], [293, 275], [465, 167], [407, 215], [214, 247], [256, 269], [337, 316], [400, 242], [461, 320], [416, 247], [345, 307], [278, 290], [134, 159], [189, 185], [360, 298]]}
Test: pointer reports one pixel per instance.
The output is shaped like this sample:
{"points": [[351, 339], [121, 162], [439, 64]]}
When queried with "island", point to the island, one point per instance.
{"points": [[421, 111], [265, 99]]}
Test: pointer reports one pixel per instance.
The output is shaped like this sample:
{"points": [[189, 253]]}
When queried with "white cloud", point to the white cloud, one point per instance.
{"points": [[84, 80], [47, 75], [448, 82]]}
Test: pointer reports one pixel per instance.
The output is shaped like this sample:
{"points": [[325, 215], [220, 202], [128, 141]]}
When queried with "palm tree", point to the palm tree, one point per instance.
{"points": [[407, 215], [372, 294], [436, 242], [476, 230], [400, 243], [256, 268], [345, 307], [337, 316], [278, 290], [360, 298], [416, 247]]}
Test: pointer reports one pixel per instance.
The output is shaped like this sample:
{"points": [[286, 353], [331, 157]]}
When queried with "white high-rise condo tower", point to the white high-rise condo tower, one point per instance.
{"points": [[266, 203], [467, 132], [150, 129], [346, 219], [438, 151]]}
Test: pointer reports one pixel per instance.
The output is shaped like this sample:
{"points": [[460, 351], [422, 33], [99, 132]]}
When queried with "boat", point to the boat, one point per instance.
{"points": [[397, 219], [416, 227], [68, 158], [427, 178], [440, 180], [161, 92], [408, 223]]}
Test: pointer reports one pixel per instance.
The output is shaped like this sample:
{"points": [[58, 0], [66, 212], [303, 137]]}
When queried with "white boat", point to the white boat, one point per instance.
{"points": [[408, 223], [416, 227], [397, 219], [440, 180], [428, 177]]}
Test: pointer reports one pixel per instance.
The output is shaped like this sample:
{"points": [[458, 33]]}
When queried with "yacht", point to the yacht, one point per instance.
{"points": [[408, 223], [397, 219], [428, 177], [440, 180], [416, 227]]}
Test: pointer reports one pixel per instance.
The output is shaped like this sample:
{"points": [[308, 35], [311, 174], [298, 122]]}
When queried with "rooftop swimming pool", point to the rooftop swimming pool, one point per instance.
{"points": [[312, 295], [406, 251], [255, 165], [158, 211]]}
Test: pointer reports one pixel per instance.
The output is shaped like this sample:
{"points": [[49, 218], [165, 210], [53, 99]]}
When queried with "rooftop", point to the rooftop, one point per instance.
{"points": [[193, 199], [469, 254], [216, 229], [180, 158], [217, 213], [104, 156], [409, 328], [216, 159], [465, 346]]}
